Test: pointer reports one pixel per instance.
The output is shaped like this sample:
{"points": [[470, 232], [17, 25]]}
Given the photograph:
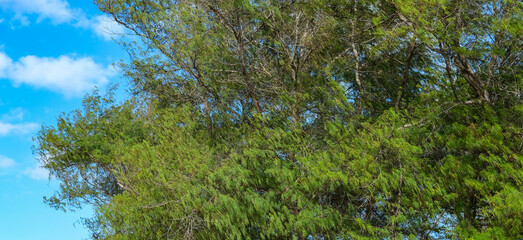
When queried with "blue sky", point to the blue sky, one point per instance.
{"points": [[52, 52]]}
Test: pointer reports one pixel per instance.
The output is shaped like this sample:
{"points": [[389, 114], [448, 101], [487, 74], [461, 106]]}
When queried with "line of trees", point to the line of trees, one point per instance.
{"points": [[319, 119]]}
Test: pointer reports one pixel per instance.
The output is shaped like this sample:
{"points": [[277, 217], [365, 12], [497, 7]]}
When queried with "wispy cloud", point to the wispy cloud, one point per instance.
{"points": [[60, 12], [22, 128], [6, 162], [37, 172], [106, 27], [5, 64], [16, 115], [67, 75]]}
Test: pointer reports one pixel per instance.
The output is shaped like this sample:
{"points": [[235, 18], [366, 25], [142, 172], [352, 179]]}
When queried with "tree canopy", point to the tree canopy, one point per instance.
{"points": [[324, 119]]}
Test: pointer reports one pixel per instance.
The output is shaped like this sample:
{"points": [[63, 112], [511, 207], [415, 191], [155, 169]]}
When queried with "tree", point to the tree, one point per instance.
{"points": [[303, 119]]}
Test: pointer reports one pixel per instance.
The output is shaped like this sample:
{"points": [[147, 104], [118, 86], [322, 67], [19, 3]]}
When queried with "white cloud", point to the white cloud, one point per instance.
{"points": [[58, 11], [5, 64], [6, 162], [67, 75], [37, 172], [106, 27], [22, 128], [16, 114]]}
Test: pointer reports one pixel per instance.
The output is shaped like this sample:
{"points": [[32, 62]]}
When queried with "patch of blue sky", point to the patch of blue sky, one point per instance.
{"points": [[52, 52]]}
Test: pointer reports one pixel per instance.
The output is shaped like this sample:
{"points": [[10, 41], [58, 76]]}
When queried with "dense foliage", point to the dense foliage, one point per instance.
{"points": [[324, 119]]}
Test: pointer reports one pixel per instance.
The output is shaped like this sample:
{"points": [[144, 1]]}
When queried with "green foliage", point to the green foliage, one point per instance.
{"points": [[326, 119]]}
